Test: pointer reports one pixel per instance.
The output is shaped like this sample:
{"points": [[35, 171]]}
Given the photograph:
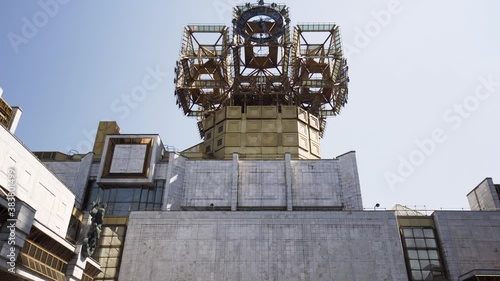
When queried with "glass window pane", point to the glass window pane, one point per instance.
{"points": [[433, 254], [158, 195], [410, 242], [422, 254], [135, 207], [436, 265], [151, 196], [431, 243], [137, 194], [426, 275], [414, 264], [142, 206], [425, 264], [416, 274], [418, 232], [429, 233], [112, 195], [124, 195], [420, 243], [407, 232], [121, 207], [105, 195], [412, 254], [144, 195]]}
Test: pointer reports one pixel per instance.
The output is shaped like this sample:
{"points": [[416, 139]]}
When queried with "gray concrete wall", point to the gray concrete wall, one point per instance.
{"points": [[469, 240], [73, 174], [316, 183], [349, 180], [484, 197], [174, 186], [261, 184], [207, 182], [262, 246], [269, 184]]}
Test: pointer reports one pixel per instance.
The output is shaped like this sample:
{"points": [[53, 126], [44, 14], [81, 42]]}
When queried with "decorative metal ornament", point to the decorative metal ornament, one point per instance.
{"points": [[260, 24]]}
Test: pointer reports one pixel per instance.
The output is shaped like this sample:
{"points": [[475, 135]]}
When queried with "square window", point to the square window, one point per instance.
{"points": [[433, 254], [407, 232], [410, 242], [425, 264], [426, 275], [428, 233], [416, 275], [414, 264], [418, 232], [431, 243], [420, 243], [422, 254], [412, 254]]}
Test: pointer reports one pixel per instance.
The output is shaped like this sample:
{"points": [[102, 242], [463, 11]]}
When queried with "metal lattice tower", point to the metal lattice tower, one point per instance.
{"points": [[258, 63]]}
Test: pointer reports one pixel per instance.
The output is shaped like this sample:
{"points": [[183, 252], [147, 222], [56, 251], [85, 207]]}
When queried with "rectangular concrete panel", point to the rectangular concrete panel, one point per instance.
{"points": [[207, 182], [233, 126], [233, 112], [261, 184], [269, 126], [254, 126], [469, 240], [269, 112], [289, 112], [220, 115], [289, 126], [168, 246], [254, 111]]}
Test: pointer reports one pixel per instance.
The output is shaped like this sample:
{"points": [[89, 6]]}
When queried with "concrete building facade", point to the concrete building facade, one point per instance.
{"points": [[252, 201]]}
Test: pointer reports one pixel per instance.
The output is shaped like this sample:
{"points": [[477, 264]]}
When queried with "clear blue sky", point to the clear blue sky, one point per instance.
{"points": [[414, 66]]}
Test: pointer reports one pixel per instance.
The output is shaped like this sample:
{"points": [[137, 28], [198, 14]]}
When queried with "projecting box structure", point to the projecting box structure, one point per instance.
{"points": [[260, 89]]}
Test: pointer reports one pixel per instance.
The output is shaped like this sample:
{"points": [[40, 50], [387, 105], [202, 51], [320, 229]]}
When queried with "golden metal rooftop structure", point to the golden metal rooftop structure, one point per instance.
{"points": [[258, 66]]}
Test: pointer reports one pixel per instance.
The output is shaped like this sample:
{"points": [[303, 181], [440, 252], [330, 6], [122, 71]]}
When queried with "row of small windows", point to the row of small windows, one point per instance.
{"points": [[122, 200]]}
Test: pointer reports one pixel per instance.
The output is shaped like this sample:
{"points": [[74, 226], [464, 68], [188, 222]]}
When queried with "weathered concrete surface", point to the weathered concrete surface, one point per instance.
{"points": [[469, 240], [262, 184], [484, 197], [277, 245]]}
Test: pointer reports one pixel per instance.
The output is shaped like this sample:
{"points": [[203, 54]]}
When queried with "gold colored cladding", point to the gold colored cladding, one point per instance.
{"points": [[233, 126], [43, 262], [269, 112], [254, 112], [105, 128], [303, 115], [220, 115], [6, 113], [314, 135], [416, 221], [289, 112], [260, 138], [233, 112], [314, 122], [315, 148], [208, 122]]}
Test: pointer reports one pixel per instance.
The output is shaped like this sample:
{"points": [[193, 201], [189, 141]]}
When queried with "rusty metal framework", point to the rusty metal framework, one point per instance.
{"points": [[260, 64]]}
